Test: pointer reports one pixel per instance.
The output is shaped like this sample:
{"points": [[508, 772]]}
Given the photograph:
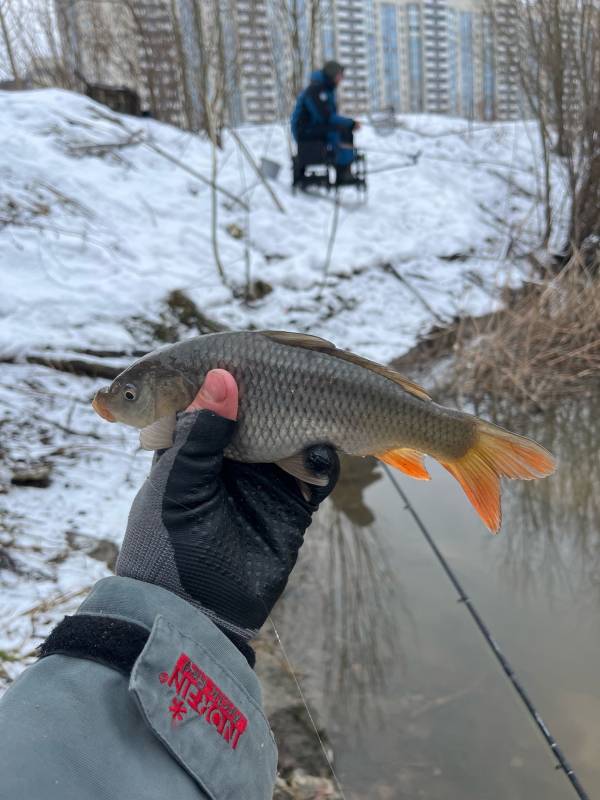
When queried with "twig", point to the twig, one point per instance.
{"points": [[214, 210], [393, 271], [74, 366], [159, 150], [6, 221], [71, 431], [173, 159], [249, 157], [330, 243], [100, 148], [46, 605]]}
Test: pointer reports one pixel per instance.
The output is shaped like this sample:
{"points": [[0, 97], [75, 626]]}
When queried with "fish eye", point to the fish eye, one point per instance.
{"points": [[130, 392]]}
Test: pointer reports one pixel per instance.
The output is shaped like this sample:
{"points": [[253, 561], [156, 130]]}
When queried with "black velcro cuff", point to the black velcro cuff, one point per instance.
{"points": [[113, 642]]}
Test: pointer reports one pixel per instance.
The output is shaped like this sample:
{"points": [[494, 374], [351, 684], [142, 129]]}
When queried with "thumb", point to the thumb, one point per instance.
{"points": [[203, 432], [218, 393], [208, 423]]}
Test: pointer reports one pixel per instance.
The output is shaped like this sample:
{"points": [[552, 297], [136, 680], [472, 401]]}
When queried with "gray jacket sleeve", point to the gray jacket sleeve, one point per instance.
{"points": [[185, 723]]}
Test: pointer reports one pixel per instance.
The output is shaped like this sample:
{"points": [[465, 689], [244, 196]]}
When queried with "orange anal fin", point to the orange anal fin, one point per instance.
{"points": [[406, 460]]}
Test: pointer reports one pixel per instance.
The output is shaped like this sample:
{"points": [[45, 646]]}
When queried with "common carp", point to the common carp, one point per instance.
{"points": [[297, 390]]}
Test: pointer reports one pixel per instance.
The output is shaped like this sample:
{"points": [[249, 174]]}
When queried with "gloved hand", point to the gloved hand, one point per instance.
{"points": [[221, 534]]}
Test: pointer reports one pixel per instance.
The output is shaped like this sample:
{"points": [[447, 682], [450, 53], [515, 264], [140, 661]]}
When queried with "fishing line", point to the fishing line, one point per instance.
{"points": [[308, 711], [492, 643]]}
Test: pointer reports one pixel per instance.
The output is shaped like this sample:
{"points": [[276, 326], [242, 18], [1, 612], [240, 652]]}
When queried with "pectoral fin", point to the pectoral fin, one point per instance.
{"points": [[159, 435], [295, 466]]}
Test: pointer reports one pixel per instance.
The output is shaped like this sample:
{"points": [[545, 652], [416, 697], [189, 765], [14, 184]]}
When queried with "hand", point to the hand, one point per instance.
{"points": [[222, 534]]}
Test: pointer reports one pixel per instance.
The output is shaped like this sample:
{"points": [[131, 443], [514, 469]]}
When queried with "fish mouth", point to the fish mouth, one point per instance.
{"points": [[101, 409]]}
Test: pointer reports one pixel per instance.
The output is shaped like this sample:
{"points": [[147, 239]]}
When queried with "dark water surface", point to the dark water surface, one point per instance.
{"points": [[413, 700]]}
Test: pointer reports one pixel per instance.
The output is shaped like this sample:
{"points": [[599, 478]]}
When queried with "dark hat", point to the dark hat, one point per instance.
{"points": [[332, 69]]}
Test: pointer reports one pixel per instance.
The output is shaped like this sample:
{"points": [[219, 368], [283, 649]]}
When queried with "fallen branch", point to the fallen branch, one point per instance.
{"points": [[102, 148], [159, 150], [74, 366], [387, 267], [90, 351], [250, 158], [173, 159]]}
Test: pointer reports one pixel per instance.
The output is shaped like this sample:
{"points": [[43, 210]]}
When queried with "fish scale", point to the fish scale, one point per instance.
{"points": [[292, 397]]}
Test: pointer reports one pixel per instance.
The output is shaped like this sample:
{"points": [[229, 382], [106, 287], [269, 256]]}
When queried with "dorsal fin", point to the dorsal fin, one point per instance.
{"points": [[323, 346]]}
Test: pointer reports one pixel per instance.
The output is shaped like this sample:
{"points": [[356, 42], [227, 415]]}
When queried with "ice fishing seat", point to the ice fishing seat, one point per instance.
{"points": [[314, 165]]}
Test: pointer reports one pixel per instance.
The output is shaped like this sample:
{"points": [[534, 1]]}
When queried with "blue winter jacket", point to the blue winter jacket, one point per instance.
{"points": [[315, 114]]}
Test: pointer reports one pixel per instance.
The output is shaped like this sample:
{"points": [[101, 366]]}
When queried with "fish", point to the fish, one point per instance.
{"points": [[298, 390]]}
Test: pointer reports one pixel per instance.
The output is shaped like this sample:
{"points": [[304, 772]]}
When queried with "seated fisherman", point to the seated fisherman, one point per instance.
{"points": [[315, 118]]}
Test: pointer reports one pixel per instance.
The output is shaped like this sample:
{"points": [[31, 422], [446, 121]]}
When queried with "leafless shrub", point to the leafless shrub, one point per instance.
{"points": [[555, 50], [7, 39], [296, 38], [544, 348]]}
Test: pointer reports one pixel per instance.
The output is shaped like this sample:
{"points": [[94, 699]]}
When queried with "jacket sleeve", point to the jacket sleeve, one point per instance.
{"points": [[140, 695], [318, 100]]}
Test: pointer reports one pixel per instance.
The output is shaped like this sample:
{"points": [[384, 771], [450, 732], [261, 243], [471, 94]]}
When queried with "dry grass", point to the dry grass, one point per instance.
{"points": [[545, 348]]}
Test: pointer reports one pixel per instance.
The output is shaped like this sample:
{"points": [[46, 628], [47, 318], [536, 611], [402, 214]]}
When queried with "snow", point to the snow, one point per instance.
{"points": [[90, 244]]}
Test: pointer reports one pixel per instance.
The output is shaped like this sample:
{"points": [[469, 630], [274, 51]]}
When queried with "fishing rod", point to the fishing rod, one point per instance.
{"points": [[390, 168], [493, 644]]}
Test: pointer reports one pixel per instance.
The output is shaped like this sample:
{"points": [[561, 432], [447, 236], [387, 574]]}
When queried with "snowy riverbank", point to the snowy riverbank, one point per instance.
{"points": [[93, 238]]}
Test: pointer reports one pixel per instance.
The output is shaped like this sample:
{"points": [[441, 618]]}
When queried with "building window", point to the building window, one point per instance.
{"points": [[453, 106], [327, 34], [415, 57], [488, 68], [374, 89], [466, 64], [391, 64]]}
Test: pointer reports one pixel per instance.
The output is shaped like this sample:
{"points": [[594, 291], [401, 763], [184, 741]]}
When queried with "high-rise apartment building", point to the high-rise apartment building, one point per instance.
{"points": [[250, 27], [153, 47], [131, 44], [435, 56], [345, 37], [446, 57], [507, 95]]}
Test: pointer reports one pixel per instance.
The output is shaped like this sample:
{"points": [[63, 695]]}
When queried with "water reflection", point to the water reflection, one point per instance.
{"points": [[349, 596], [436, 718], [349, 494], [553, 526]]}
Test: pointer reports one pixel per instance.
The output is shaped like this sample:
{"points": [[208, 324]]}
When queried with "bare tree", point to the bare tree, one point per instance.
{"points": [[299, 26], [7, 40], [557, 56]]}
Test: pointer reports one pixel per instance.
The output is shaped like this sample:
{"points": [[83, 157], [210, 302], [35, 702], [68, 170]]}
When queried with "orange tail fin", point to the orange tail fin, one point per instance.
{"points": [[496, 454]]}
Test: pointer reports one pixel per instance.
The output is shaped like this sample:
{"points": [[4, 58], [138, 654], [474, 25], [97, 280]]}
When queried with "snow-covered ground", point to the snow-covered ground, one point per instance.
{"points": [[92, 242]]}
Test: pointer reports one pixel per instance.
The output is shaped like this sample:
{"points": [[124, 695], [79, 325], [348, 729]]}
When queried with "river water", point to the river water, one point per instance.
{"points": [[414, 703]]}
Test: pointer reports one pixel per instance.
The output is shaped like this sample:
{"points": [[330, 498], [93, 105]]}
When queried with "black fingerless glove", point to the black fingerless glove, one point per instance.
{"points": [[222, 534]]}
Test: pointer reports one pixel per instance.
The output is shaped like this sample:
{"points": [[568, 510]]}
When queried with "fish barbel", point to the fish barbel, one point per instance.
{"points": [[297, 390]]}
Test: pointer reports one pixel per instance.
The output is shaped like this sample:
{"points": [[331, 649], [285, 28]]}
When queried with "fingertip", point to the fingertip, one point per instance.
{"points": [[218, 393]]}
